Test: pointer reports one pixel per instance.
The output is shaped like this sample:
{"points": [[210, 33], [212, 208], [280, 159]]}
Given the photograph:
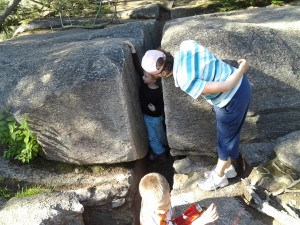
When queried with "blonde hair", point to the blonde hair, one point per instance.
{"points": [[154, 187]]}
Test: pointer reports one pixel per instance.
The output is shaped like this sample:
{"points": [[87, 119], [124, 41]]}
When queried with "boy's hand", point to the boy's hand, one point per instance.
{"points": [[210, 215], [243, 65], [151, 107], [130, 45]]}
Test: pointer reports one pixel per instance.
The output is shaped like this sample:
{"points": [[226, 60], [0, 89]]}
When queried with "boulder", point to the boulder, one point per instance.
{"points": [[79, 90], [231, 208], [269, 39], [258, 153], [53, 23], [2, 202], [150, 11], [43, 209], [288, 150], [231, 211], [110, 194], [271, 179]]}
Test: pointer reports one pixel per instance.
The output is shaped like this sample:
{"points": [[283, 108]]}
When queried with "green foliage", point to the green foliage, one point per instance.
{"points": [[33, 191], [75, 8], [97, 169], [228, 5], [19, 142], [7, 27], [278, 2], [41, 9], [3, 4], [5, 193]]}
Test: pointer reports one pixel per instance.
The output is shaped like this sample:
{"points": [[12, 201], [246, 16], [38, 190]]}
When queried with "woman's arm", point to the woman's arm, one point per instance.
{"points": [[230, 82]]}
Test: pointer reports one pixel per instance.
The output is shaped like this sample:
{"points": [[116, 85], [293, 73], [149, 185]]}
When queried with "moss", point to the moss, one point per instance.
{"points": [[33, 191]]}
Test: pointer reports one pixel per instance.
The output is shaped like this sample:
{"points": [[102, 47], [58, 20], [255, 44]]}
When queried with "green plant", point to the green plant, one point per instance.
{"points": [[5, 193], [19, 142], [97, 169], [33, 191], [278, 2]]}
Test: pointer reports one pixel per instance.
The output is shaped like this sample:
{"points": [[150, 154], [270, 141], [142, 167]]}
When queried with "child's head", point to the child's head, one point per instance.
{"points": [[158, 63], [155, 191], [149, 78]]}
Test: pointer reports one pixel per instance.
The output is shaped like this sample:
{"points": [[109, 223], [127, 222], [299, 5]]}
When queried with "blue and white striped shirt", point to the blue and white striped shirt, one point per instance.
{"points": [[195, 65]]}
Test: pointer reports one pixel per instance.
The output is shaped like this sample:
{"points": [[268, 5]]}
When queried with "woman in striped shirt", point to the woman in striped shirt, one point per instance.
{"points": [[199, 72]]}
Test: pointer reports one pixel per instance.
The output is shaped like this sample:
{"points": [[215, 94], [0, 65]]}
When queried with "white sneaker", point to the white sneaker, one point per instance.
{"points": [[212, 182], [229, 172]]}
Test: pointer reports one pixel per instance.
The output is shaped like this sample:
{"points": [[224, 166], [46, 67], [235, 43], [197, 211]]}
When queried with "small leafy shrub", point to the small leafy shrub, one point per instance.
{"points": [[18, 141]]}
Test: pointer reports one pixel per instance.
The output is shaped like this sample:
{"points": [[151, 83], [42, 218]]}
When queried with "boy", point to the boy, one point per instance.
{"points": [[156, 203], [152, 105]]}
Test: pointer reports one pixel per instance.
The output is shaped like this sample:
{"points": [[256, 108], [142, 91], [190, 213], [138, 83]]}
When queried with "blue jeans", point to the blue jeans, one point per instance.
{"points": [[156, 134], [230, 119]]}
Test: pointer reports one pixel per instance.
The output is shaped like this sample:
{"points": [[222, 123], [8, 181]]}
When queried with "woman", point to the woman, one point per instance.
{"points": [[198, 72]]}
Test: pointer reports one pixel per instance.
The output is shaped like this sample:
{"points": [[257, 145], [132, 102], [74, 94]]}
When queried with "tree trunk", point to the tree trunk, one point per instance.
{"points": [[11, 6]]}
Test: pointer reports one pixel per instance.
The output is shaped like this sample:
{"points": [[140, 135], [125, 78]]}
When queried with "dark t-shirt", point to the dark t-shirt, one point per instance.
{"points": [[148, 95]]}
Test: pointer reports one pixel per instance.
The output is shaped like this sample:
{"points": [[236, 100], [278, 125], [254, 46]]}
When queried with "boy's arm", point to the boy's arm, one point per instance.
{"points": [[230, 82], [210, 215]]}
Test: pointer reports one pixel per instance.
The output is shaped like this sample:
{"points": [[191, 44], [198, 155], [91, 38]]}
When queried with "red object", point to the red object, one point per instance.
{"points": [[189, 215]]}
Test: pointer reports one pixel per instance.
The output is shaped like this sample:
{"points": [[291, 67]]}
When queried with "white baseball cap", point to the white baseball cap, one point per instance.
{"points": [[149, 61]]}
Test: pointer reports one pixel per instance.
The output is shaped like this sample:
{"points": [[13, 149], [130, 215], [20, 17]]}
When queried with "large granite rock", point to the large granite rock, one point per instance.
{"points": [[231, 210], [106, 196], [43, 209], [80, 91], [269, 39], [231, 207], [270, 176], [288, 150], [258, 153]]}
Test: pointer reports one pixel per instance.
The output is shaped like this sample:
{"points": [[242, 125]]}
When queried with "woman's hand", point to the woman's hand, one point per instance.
{"points": [[212, 87], [130, 45], [243, 65]]}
